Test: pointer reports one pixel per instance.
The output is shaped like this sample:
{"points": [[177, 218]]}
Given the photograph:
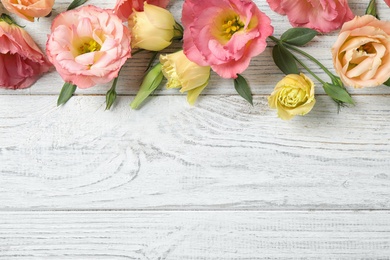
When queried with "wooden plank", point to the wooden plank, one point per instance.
{"points": [[220, 154], [194, 235], [262, 74]]}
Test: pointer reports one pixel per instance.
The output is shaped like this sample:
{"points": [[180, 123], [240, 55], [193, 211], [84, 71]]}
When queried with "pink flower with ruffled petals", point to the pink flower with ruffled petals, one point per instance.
{"points": [[21, 61], [224, 34], [124, 8], [88, 46], [321, 15]]}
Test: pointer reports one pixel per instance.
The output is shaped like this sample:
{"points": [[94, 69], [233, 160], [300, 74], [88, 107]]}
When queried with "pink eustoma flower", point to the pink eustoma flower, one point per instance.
{"points": [[124, 8], [21, 60], [88, 46], [321, 15], [224, 34]]}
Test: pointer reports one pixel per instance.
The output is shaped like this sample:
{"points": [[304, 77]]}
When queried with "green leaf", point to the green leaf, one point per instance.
{"points": [[66, 93], [387, 83], [150, 83], [371, 9], [338, 93], [284, 59], [75, 4], [298, 36], [242, 88], [8, 19], [111, 95]]}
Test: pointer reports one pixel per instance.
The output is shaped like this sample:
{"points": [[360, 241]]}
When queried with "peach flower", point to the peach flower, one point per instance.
{"points": [[321, 15], [29, 9], [124, 8], [361, 53], [88, 46], [224, 34], [21, 61]]}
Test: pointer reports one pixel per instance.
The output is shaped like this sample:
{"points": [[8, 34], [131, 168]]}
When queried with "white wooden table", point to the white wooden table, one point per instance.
{"points": [[221, 180]]}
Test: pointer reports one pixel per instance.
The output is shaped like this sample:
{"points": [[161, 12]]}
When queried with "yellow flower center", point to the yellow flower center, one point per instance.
{"points": [[89, 46], [292, 97], [231, 26]]}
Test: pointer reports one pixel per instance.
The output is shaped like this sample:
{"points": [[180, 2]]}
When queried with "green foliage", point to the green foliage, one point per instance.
{"points": [[111, 94], [243, 89], [66, 93], [150, 83], [387, 83], [284, 59], [75, 4], [371, 9], [338, 93], [298, 36]]}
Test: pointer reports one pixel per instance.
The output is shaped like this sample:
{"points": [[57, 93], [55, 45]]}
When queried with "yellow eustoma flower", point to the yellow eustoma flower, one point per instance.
{"points": [[293, 95], [181, 72]]}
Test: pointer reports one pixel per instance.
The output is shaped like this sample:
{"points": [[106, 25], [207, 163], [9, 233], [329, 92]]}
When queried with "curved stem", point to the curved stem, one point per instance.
{"points": [[299, 61], [308, 70], [330, 74], [137, 51]]}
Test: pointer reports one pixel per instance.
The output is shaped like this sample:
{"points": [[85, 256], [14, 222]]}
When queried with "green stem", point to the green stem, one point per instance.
{"points": [[291, 47], [136, 51], [330, 74], [308, 70]]}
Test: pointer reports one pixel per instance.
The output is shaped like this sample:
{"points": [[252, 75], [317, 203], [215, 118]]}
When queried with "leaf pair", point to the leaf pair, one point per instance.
{"points": [[282, 57]]}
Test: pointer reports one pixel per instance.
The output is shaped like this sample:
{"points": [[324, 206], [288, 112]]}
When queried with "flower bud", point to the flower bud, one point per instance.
{"points": [[153, 29], [293, 95], [181, 72]]}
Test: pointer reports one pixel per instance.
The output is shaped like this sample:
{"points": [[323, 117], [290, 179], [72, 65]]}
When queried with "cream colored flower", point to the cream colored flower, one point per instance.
{"points": [[293, 95], [151, 29], [181, 72]]}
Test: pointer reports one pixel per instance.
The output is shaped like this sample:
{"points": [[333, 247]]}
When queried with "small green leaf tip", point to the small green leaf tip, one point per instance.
{"points": [[243, 89], [387, 83], [75, 4], [66, 93], [338, 93], [111, 95], [371, 9], [8, 19]]}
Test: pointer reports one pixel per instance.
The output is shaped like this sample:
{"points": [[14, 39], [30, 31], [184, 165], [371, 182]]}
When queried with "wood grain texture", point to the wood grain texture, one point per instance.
{"points": [[195, 235], [221, 154], [222, 180], [262, 74]]}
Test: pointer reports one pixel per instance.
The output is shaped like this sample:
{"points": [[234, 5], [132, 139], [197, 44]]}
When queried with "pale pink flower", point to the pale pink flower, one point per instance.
{"points": [[321, 15], [224, 34], [124, 8], [29, 9], [21, 61], [88, 46], [361, 53]]}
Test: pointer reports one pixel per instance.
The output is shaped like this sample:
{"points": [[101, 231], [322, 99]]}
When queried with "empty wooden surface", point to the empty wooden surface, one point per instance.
{"points": [[220, 180]]}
